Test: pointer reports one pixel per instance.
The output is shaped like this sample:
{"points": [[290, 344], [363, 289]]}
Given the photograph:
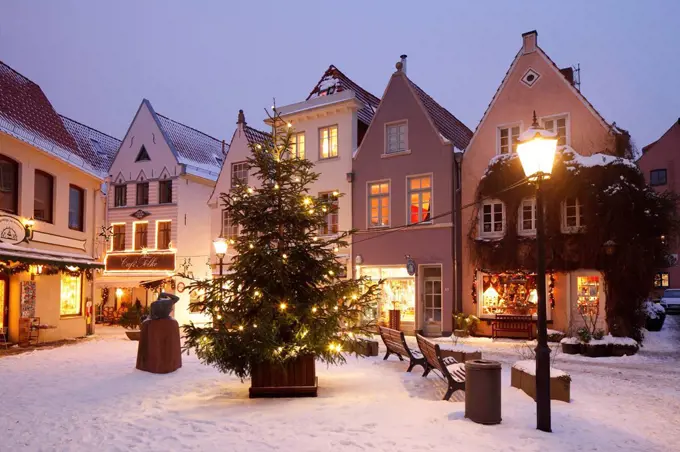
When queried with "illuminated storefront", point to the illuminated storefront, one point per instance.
{"points": [[509, 293], [397, 293]]}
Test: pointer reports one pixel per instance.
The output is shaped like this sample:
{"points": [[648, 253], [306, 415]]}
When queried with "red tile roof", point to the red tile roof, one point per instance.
{"points": [[99, 147], [334, 81], [447, 124], [255, 136], [193, 146]]}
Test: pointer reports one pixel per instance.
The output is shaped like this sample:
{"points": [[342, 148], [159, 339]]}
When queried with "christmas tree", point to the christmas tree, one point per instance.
{"points": [[284, 294]]}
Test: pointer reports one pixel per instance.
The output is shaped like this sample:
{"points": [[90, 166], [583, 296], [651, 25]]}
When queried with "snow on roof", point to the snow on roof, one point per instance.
{"points": [[334, 81], [593, 160], [255, 136], [100, 147]]}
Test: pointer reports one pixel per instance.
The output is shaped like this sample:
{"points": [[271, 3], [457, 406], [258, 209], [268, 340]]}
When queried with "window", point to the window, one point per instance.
{"points": [[143, 156], [328, 142], [559, 126], [165, 192], [297, 145], [43, 201], [76, 207], [527, 217], [661, 279], [330, 202], [507, 293], [588, 295], [229, 228], [120, 195], [71, 295], [657, 177], [572, 215], [142, 193], [508, 137], [163, 229], [492, 219], [239, 173], [9, 184], [118, 237], [419, 195], [141, 235], [379, 204], [396, 138]]}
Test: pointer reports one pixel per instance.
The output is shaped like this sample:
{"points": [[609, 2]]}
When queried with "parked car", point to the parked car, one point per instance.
{"points": [[671, 300]]}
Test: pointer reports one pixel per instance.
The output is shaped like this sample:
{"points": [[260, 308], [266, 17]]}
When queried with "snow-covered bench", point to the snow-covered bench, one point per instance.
{"points": [[450, 369], [395, 342]]}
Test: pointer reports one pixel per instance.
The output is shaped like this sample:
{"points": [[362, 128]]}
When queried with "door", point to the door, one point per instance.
{"points": [[432, 301], [4, 302]]}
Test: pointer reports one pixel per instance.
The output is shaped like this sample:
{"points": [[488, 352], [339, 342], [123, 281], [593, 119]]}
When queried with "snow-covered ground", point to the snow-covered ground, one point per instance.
{"points": [[89, 397]]}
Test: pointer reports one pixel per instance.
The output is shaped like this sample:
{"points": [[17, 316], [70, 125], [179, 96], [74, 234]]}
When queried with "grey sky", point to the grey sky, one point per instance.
{"points": [[200, 61]]}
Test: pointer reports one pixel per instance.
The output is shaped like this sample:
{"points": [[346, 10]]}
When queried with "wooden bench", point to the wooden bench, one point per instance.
{"points": [[395, 342], [450, 369], [512, 324]]}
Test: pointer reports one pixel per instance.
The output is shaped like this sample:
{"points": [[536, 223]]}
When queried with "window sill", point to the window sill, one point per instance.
{"points": [[575, 230], [527, 234], [491, 237], [386, 155], [327, 159], [387, 226], [71, 317], [76, 229]]}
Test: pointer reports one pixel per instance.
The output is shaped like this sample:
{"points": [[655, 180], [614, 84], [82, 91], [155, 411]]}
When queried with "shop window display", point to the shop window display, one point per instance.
{"points": [[397, 292], [588, 293], [508, 293]]}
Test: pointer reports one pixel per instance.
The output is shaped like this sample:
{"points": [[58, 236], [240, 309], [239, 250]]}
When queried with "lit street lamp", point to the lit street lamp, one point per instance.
{"points": [[221, 246], [536, 151]]}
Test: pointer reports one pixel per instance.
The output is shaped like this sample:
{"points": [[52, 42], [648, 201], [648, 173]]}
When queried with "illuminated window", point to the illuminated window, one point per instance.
{"points": [[331, 203], [492, 219], [118, 237], [76, 208], [328, 142], [141, 235], [508, 138], [379, 204], [142, 193], [507, 293], [662, 280], [229, 228], [297, 145], [43, 196], [588, 295], [396, 138], [165, 192], [572, 215], [163, 238], [71, 295], [397, 292], [120, 195], [559, 126], [527, 217], [239, 173], [419, 195]]}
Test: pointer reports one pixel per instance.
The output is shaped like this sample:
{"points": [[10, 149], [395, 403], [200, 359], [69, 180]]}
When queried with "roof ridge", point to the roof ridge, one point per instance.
{"points": [[89, 127], [189, 127], [437, 103], [18, 73]]}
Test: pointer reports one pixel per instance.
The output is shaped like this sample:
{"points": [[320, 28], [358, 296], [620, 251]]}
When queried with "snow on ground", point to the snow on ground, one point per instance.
{"points": [[89, 397]]}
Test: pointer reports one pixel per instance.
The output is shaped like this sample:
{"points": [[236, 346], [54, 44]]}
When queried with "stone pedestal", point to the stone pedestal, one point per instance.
{"points": [[159, 348]]}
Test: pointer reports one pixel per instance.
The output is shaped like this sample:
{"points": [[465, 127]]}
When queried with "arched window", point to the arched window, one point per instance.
{"points": [[43, 203], [9, 184]]}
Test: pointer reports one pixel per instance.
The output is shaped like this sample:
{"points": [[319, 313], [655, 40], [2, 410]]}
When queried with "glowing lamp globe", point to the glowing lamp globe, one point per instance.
{"points": [[221, 246], [536, 151]]}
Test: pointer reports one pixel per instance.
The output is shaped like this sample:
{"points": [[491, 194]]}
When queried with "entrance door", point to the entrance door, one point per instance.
{"points": [[432, 300], [4, 301]]}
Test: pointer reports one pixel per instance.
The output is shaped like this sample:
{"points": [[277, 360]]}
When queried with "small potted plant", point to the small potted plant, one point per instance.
{"points": [[132, 320], [655, 315]]}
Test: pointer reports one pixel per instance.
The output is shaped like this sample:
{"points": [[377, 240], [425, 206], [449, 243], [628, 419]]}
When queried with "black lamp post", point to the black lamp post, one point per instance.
{"points": [[221, 246], [536, 151]]}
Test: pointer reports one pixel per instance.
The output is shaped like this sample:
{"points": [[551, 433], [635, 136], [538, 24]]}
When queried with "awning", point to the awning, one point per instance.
{"points": [[37, 256]]}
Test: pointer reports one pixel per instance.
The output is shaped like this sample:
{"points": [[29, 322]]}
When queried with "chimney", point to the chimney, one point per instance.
{"points": [[403, 63], [529, 42], [568, 73], [241, 118]]}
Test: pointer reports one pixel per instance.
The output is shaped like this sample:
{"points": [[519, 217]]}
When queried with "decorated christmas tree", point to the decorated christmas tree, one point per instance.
{"points": [[284, 294]]}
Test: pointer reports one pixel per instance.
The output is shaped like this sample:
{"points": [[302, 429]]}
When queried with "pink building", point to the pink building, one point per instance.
{"points": [[402, 203], [660, 164]]}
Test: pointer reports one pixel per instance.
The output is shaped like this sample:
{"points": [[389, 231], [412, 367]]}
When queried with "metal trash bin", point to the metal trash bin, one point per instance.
{"points": [[483, 391]]}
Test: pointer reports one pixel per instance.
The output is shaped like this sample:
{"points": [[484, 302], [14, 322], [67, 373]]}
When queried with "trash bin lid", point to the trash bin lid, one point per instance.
{"points": [[482, 364]]}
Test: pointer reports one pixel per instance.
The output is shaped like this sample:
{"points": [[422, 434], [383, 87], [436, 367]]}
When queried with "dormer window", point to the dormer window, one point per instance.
{"points": [[508, 138], [492, 219]]}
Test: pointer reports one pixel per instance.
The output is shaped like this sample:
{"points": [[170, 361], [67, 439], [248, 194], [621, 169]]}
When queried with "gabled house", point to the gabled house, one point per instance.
{"points": [[533, 83], [402, 200], [160, 178], [660, 163], [51, 211]]}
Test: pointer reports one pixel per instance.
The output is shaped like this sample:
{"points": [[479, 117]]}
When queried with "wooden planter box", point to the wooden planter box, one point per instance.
{"points": [[623, 350], [571, 349], [364, 347], [294, 378], [595, 351], [560, 387]]}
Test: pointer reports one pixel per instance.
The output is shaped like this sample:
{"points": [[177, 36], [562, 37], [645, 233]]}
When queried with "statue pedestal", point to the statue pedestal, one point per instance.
{"points": [[159, 348]]}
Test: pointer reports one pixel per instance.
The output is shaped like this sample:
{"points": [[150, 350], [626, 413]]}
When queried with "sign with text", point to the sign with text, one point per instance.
{"points": [[140, 262], [12, 230]]}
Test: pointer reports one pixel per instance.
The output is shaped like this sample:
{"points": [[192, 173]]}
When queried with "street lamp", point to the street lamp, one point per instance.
{"points": [[221, 246], [536, 151]]}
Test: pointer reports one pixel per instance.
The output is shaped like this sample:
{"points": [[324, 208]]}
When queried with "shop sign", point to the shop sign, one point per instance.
{"points": [[410, 266], [139, 214], [140, 262], [12, 230]]}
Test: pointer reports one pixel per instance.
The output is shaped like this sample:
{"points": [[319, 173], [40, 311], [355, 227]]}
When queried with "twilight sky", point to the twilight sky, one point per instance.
{"points": [[199, 61]]}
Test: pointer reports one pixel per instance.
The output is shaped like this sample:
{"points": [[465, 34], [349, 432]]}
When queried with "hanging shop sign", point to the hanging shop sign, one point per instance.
{"points": [[410, 266], [140, 262], [12, 230]]}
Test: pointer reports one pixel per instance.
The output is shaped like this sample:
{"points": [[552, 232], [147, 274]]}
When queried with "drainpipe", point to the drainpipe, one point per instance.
{"points": [[457, 242]]}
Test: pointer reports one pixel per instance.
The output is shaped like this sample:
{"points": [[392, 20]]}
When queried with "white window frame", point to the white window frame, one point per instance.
{"points": [[369, 197], [295, 143], [509, 127], [330, 142], [520, 217], [229, 231], [330, 200], [567, 126], [418, 191], [392, 126], [237, 168], [578, 227], [492, 233]]}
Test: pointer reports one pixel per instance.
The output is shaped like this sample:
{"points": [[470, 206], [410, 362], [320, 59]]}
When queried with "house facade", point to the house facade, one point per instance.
{"points": [[157, 217], [52, 206], [402, 200], [533, 83], [660, 165]]}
